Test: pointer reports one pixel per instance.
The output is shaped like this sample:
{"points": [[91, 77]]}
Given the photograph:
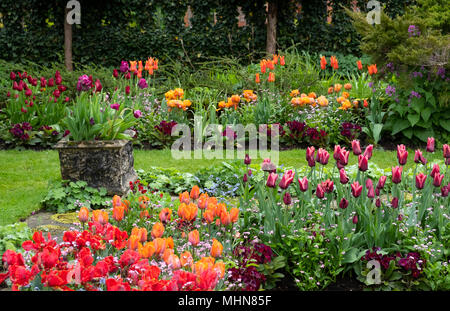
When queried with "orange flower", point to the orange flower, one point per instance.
{"points": [[202, 201], [337, 87], [140, 67], [345, 95], [225, 218], [194, 237], [330, 90], [216, 248], [141, 233], [294, 93], [83, 214], [174, 262], [186, 259], [169, 242], [347, 86], [133, 66], [212, 201], [184, 197], [170, 95], [257, 78], [234, 214], [160, 245], [323, 62], [271, 77], [355, 103], [167, 253], [275, 58], [204, 264], [372, 69], [219, 267], [249, 95], [221, 208], [263, 66], [133, 242], [282, 61], [100, 216], [165, 215], [188, 212], [270, 64], [366, 104], [208, 215], [144, 214], [147, 250], [157, 230], [118, 212], [126, 205], [334, 62], [178, 93], [313, 95], [195, 192], [116, 201], [296, 101], [359, 64], [323, 101]]}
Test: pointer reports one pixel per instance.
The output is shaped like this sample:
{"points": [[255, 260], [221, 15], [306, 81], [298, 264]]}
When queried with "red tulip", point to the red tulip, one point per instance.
{"points": [[98, 86], [322, 156], [247, 160], [344, 203], [363, 163], [359, 64], [368, 152], [328, 186], [245, 178], [51, 82], [446, 151], [378, 202], [320, 192], [435, 170], [402, 154], [127, 90], [310, 156], [355, 219], [12, 76], [323, 62], [28, 92], [381, 182], [343, 157], [287, 179], [419, 158], [271, 180], [337, 151], [370, 190], [437, 179], [115, 73], [397, 174], [303, 184], [282, 61], [420, 180], [287, 198], [394, 202], [356, 189], [343, 178], [445, 190], [430, 144], [356, 147]]}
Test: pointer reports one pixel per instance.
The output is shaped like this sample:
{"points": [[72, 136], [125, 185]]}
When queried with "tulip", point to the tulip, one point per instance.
{"points": [[397, 174], [343, 176], [83, 214], [186, 259], [437, 179], [322, 156], [363, 163], [184, 197], [118, 212], [320, 192], [402, 154], [381, 182], [195, 192], [323, 62], [28, 93], [271, 180], [343, 157], [344, 203], [127, 90], [142, 83], [445, 190], [328, 186], [12, 76], [356, 189], [268, 166], [419, 158], [141, 233], [370, 190], [234, 214], [355, 219], [194, 237], [208, 215], [368, 152], [257, 78], [430, 144], [420, 180], [216, 249], [282, 61], [137, 114], [98, 86], [446, 151], [394, 202], [287, 179], [356, 147], [245, 178], [225, 218], [310, 156], [115, 73], [157, 230], [247, 160], [271, 77], [378, 202], [359, 64], [303, 184], [159, 245], [435, 170], [165, 215], [115, 106], [336, 153], [287, 199]]}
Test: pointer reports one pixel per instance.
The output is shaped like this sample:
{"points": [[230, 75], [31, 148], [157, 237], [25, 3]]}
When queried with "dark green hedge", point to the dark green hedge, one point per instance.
{"points": [[112, 30]]}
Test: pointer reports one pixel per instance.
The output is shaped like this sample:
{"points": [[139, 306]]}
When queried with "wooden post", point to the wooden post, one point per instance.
{"points": [[272, 12], [67, 43]]}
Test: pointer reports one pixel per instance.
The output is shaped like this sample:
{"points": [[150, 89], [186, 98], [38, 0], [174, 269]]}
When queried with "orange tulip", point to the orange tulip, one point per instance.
{"points": [[221, 208], [216, 248], [144, 214], [296, 101], [185, 197], [334, 62], [282, 61], [194, 237], [270, 64], [179, 93], [234, 214], [225, 218], [174, 262], [147, 250], [323, 62], [271, 77], [169, 242], [204, 264], [141, 233], [366, 104], [83, 214], [257, 78], [337, 87], [345, 95], [323, 101], [275, 58], [359, 64], [263, 66], [167, 253], [116, 201], [157, 230], [312, 94], [208, 215], [165, 215], [186, 259], [235, 98], [203, 200], [372, 69], [160, 245], [294, 93], [133, 66], [133, 242], [118, 212], [330, 90], [195, 192], [188, 212], [126, 205], [100, 216]]}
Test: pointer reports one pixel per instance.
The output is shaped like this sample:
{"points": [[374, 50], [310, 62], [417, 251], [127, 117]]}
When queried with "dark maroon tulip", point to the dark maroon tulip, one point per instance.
{"points": [[287, 198], [394, 202], [435, 170], [356, 147], [378, 202], [446, 151], [377, 191], [51, 82], [363, 163], [420, 180], [430, 144], [271, 180], [287, 179], [368, 152], [344, 203], [12, 76], [445, 190], [28, 93], [328, 186], [247, 160], [397, 174], [249, 173], [400, 217], [447, 161], [245, 179], [115, 73], [303, 184], [320, 192], [355, 219], [402, 154], [356, 189], [343, 178], [437, 179]]}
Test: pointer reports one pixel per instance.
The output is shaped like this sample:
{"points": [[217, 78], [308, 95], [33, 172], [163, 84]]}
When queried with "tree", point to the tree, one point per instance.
{"points": [[272, 16]]}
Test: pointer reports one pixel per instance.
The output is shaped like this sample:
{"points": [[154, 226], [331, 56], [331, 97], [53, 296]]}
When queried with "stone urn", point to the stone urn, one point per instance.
{"points": [[102, 163]]}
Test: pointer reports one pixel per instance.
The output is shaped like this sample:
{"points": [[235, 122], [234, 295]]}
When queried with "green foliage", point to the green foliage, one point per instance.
{"points": [[66, 196], [12, 236]]}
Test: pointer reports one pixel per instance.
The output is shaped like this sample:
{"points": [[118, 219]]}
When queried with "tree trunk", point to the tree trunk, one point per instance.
{"points": [[271, 43], [67, 43]]}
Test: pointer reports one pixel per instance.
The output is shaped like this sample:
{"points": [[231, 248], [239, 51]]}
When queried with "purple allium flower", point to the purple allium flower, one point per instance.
{"points": [[84, 83], [143, 83]]}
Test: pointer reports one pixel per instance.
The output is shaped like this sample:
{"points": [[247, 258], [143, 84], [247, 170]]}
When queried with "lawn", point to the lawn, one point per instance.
{"points": [[24, 175]]}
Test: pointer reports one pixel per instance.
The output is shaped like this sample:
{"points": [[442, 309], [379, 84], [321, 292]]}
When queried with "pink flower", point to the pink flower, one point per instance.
{"points": [[381, 182], [143, 83], [287, 198], [98, 86], [363, 163], [303, 184], [320, 192], [446, 151], [137, 114], [356, 189], [437, 179], [337, 151], [115, 106], [355, 219], [322, 156], [430, 144], [344, 203], [343, 178], [310, 156], [356, 147], [402, 154], [370, 190], [397, 174], [268, 166], [271, 180], [420, 180], [287, 179], [394, 202], [435, 170], [418, 157], [368, 152]]}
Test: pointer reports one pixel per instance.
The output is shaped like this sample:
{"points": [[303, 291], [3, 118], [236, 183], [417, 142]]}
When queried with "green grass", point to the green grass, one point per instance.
{"points": [[24, 175]]}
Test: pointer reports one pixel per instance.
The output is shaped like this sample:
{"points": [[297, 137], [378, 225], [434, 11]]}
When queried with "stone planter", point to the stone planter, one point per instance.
{"points": [[108, 164]]}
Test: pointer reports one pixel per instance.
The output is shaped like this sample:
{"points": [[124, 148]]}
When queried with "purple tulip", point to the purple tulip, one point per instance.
{"points": [[344, 203], [137, 114], [143, 83]]}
